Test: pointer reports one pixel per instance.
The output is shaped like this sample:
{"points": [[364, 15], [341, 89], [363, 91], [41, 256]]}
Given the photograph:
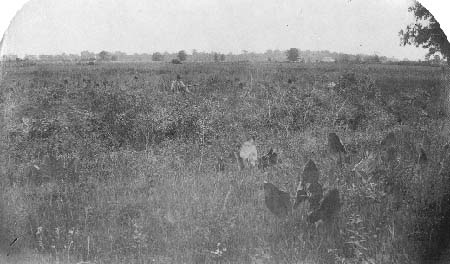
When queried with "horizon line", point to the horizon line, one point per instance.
{"points": [[190, 53]]}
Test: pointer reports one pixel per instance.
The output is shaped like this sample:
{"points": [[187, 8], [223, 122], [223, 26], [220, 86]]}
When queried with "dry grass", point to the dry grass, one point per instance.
{"points": [[144, 188]]}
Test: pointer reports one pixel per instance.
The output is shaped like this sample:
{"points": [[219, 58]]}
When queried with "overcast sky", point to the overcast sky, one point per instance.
{"points": [[144, 26]]}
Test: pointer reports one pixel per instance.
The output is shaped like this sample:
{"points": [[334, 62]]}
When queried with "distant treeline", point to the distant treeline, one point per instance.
{"points": [[305, 56]]}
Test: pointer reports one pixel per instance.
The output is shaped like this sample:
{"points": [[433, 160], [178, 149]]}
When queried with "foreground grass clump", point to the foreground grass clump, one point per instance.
{"points": [[109, 166]]}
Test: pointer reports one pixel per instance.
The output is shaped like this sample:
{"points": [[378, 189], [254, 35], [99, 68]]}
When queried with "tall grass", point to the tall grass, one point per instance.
{"points": [[126, 169]]}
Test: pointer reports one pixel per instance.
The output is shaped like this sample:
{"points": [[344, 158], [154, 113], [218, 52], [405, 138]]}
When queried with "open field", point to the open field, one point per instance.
{"points": [[104, 163]]}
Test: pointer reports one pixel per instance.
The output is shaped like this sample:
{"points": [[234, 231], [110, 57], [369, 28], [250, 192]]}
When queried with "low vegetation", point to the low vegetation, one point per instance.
{"points": [[104, 163]]}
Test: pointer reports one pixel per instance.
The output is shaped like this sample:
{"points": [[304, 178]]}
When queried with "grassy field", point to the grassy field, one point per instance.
{"points": [[103, 163]]}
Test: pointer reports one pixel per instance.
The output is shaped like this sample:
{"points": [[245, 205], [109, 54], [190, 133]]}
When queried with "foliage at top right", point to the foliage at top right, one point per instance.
{"points": [[426, 32]]}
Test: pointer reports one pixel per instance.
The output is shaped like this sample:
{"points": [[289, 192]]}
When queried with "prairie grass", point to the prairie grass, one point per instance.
{"points": [[126, 168]]}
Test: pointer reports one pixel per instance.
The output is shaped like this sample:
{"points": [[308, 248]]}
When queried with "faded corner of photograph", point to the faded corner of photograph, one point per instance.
{"points": [[209, 131]]}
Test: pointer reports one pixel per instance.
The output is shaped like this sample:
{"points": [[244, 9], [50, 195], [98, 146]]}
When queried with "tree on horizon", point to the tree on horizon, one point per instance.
{"points": [[182, 56], [292, 54], [157, 56]]}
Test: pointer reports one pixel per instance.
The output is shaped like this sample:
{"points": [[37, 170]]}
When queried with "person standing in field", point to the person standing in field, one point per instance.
{"points": [[178, 86]]}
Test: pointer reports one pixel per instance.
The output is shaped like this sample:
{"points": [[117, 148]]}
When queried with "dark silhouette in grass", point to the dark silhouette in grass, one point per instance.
{"points": [[335, 146], [269, 159], [328, 208], [422, 157], [300, 197], [277, 201], [310, 174], [311, 192], [315, 194]]}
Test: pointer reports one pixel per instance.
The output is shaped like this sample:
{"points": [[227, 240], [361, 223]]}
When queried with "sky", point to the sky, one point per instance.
{"points": [[144, 26]]}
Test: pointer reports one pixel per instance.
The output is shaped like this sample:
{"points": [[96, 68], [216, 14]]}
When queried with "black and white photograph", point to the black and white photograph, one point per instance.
{"points": [[224, 131]]}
